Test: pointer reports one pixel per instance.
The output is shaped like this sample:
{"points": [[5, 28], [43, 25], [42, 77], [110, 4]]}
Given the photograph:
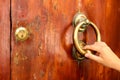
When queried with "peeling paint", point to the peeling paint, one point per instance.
{"points": [[40, 48], [34, 76], [16, 60], [24, 57], [42, 73], [19, 58]]}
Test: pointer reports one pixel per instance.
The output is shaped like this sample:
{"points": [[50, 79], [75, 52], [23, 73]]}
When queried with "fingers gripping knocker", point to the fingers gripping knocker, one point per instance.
{"points": [[80, 22]]}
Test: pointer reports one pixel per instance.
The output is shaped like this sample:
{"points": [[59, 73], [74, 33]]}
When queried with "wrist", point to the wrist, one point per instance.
{"points": [[116, 66]]}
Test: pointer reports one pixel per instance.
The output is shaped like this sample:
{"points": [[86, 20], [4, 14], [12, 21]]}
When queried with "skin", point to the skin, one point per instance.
{"points": [[105, 55]]}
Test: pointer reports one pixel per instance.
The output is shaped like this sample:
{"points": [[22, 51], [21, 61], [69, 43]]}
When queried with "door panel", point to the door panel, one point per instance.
{"points": [[47, 53], [4, 40]]}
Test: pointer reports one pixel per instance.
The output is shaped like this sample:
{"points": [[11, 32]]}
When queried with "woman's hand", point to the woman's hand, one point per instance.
{"points": [[105, 55]]}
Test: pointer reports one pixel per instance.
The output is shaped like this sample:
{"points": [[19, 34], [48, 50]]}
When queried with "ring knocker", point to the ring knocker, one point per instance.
{"points": [[80, 22]]}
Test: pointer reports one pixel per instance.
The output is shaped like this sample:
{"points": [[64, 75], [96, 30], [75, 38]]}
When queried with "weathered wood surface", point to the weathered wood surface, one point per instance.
{"points": [[47, 54], [4, 40]]}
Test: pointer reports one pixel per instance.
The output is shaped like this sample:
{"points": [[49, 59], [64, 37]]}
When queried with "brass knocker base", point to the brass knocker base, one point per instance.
{"points": [[80, 22]]}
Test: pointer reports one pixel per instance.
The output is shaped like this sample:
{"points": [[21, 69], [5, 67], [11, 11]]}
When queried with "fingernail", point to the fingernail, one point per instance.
{"points": [[87, 54]]}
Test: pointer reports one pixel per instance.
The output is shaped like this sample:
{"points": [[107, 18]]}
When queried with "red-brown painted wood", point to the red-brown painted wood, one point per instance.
{"points": [[47, 54], [106, 15], [4, 40]]}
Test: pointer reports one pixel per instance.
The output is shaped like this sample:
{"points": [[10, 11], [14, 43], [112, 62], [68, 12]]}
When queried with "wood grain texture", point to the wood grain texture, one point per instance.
{"points": [[4, 40], [47, 54]]}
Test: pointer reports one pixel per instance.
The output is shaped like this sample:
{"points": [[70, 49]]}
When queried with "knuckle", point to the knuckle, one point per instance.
{"points": [[103, 44]]}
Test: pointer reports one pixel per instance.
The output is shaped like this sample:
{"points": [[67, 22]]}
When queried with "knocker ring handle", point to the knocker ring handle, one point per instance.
{"points": [[81, 23]]}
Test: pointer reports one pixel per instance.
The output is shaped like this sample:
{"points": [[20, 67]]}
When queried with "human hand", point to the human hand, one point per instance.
{"points": [[105, 55]]}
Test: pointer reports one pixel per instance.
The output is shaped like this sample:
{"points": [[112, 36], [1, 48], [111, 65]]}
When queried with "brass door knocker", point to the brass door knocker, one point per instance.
{"points": [[80, 22]]}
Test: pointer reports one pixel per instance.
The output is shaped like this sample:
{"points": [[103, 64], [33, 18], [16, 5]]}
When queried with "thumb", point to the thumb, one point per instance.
{"points": [[93, 57]]}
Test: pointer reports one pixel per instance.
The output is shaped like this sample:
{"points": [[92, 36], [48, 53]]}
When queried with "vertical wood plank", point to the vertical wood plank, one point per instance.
{"points": [[45, 55], [4, 39]]}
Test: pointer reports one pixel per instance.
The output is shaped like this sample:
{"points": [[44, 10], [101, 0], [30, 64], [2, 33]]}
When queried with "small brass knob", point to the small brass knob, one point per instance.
{"points": [[21, 34]]}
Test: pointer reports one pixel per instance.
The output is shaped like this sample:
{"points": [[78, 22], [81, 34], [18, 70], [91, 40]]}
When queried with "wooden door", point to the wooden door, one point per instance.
{"points": [[47, 53]]}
